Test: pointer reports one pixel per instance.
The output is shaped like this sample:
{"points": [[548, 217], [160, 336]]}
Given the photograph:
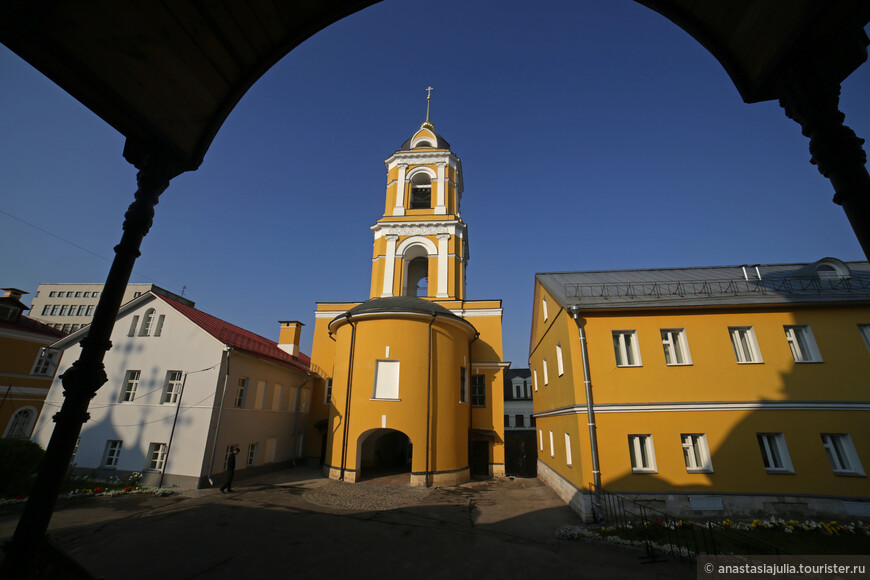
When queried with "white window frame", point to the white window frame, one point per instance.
{"points": [[864, 329], [544, 308], [478, 391], [802, 343], [642, 454], [546, 375], [21, 423], [568, 457], [133, 324], [559, 364], [386, 381], [112, 453], [156, 457], [158, 330], [841, 453], [172, 387], [46, 363], [241, 393], [327, 392], [251, 458], [745, 345], [535, 379], [676, 347], [147, 322], [696, 453], [626, 349], [541, 438], [552, 447], [774, 453], [130, 386]]}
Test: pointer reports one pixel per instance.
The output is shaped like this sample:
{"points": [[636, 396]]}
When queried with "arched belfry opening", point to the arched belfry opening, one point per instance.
{"points": [[416, 272], [421, 191], [383, 452]]}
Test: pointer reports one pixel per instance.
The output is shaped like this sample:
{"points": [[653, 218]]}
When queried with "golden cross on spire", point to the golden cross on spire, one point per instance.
{"points": [[426, 124]]}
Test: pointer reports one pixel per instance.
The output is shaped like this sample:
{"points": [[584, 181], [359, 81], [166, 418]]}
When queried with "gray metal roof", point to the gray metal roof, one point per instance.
{"points": [[826, 280]]}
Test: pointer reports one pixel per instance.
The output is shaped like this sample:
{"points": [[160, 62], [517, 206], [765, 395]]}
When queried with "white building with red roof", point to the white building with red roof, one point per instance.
{"points": [[185, 388]]}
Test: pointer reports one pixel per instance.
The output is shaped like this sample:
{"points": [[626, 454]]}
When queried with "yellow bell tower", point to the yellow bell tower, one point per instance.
{"points": [[421, 245]]}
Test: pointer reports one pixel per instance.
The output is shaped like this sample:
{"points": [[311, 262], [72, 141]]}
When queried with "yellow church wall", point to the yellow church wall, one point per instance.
{"points": [[17, 357], [550, 389], [579, 470]]}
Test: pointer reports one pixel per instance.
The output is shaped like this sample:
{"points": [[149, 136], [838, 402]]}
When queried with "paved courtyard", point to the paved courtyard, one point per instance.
{"points": [[295, 523]]}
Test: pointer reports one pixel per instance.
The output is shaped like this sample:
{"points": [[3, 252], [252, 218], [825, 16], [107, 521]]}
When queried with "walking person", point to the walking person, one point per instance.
{"points": [[231, 471]]}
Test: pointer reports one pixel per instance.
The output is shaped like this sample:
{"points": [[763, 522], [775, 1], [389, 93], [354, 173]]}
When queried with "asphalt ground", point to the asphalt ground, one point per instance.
{"points": [[298, 524]]}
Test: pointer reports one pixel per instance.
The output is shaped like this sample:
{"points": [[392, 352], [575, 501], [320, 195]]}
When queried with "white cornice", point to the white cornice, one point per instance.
{"points": [[420, 228], [491, 365], [714, 406], [330, 314], [421, 158], [476, 313]]}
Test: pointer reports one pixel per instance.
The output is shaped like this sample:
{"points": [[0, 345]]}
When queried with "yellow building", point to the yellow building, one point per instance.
{"points": [[26, 368], [708, 392], [413, 376]]}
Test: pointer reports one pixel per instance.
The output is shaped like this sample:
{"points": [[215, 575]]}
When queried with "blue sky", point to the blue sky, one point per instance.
{"points": [[602, 138]]}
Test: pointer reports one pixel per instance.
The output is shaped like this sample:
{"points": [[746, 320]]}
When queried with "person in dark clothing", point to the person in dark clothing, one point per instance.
{"points": [[231, 471]]}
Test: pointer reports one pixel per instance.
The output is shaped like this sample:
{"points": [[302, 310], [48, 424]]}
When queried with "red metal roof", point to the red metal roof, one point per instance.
{"points": [[31, 325], [239, 338]]}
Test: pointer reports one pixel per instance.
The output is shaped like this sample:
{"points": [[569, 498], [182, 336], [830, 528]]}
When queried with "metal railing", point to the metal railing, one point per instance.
{"points": [[731, 287], [666, 536]]}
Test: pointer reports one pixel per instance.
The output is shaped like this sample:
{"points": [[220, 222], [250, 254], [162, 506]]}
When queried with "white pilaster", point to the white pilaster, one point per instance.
{"points": [[442, 265], [440, 207], [390, 266], [399, 209]]}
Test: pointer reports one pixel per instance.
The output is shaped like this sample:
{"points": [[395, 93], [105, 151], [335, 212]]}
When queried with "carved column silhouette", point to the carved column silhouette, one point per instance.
{"points": [[81, 382]]}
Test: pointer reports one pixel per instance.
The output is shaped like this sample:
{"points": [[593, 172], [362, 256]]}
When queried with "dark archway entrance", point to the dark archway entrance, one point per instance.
{"points": [[384, 452]]}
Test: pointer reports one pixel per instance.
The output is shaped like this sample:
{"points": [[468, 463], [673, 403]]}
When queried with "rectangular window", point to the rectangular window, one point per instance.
{"points": [[52, 294], [520, 420], [252, 454], [294, 394], [133, 324], [546, 377], [78, 294], [642, 452], [87, 295], [131, 383], [745, 346], [54, 309], [864, 329], [72, 310], [774, 453], [276, 396], [552, 447], [532, 420], [676, 347], [74, 327], [241, 393], [112, 453], [842, 454], [696, 453], [568, 458], [478, 390], [156, 456], [172, 388], [69, 294], [65, 328], [81, 311], [541, 438], [95, 294], [507, 420], [463, 386], [159, 329], [46, 362], [802, 344], [386, 380], [559, 364], [535, 379], [544, 308], [63, 310], [147, 323], [46, 309], [90, 310], [625, 348], [327, 398], [260, 399]]}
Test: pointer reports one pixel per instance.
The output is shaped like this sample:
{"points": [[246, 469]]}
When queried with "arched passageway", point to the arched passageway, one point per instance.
{"points": [[384, 452]]}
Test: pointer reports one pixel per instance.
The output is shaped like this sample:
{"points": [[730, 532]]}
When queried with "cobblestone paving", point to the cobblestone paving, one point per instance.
{"points": [[350, 496]]}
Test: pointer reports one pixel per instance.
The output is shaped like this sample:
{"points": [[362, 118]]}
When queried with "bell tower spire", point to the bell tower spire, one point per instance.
{"points": [[421, 244]]}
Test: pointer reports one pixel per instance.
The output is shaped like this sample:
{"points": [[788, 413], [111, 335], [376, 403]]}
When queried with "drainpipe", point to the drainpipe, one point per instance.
{"points": [[429, 397], [590, 410], [468, 394], [347, 400], [220, 412]]}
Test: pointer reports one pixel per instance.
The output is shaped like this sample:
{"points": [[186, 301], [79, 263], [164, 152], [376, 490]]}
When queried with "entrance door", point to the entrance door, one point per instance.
{"points": [[479, 460]]}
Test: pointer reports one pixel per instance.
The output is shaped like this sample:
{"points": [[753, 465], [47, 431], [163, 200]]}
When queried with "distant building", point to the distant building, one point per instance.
{"points": [[26, 371], [69, 307], [184, 389], [519, 424], [714, 392]]}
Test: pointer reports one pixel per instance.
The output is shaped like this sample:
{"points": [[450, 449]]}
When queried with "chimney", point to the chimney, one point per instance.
{"points": [[288, 339], [14, 293]]}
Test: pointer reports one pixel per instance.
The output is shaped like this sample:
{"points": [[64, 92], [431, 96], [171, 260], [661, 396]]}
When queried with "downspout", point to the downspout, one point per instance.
{"points": [[429, 396], [590, 410], [220, 412], [467, 385], [172, 432], [347, 400]]}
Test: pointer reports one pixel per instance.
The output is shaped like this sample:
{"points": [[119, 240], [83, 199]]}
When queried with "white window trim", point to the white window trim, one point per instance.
{"points": [[541, 438], [125, 387], [546, 376], [568, 458], [559, 364], [696, 446], [535, 379], [112, 453], [552, 447], [621, 350], [847, 449], [172, 388], [751, 343], [393, 367], [638, 443], [800, 338], [544, 308], [241, 393], [675, 339], [15, 423], [156, 463], [767, 443]]}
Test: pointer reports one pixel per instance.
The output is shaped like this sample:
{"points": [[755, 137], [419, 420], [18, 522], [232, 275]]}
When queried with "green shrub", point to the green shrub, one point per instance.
{"points": [[19, 460]]}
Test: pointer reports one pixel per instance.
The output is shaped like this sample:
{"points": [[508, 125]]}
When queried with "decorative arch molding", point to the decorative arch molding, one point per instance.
{"points": [[407, 243], [422, 169], [21, 423]]}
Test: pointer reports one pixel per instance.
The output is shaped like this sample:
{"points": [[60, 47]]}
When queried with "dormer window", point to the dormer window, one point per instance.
{"points": [[830, 272], [421, 192]]}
